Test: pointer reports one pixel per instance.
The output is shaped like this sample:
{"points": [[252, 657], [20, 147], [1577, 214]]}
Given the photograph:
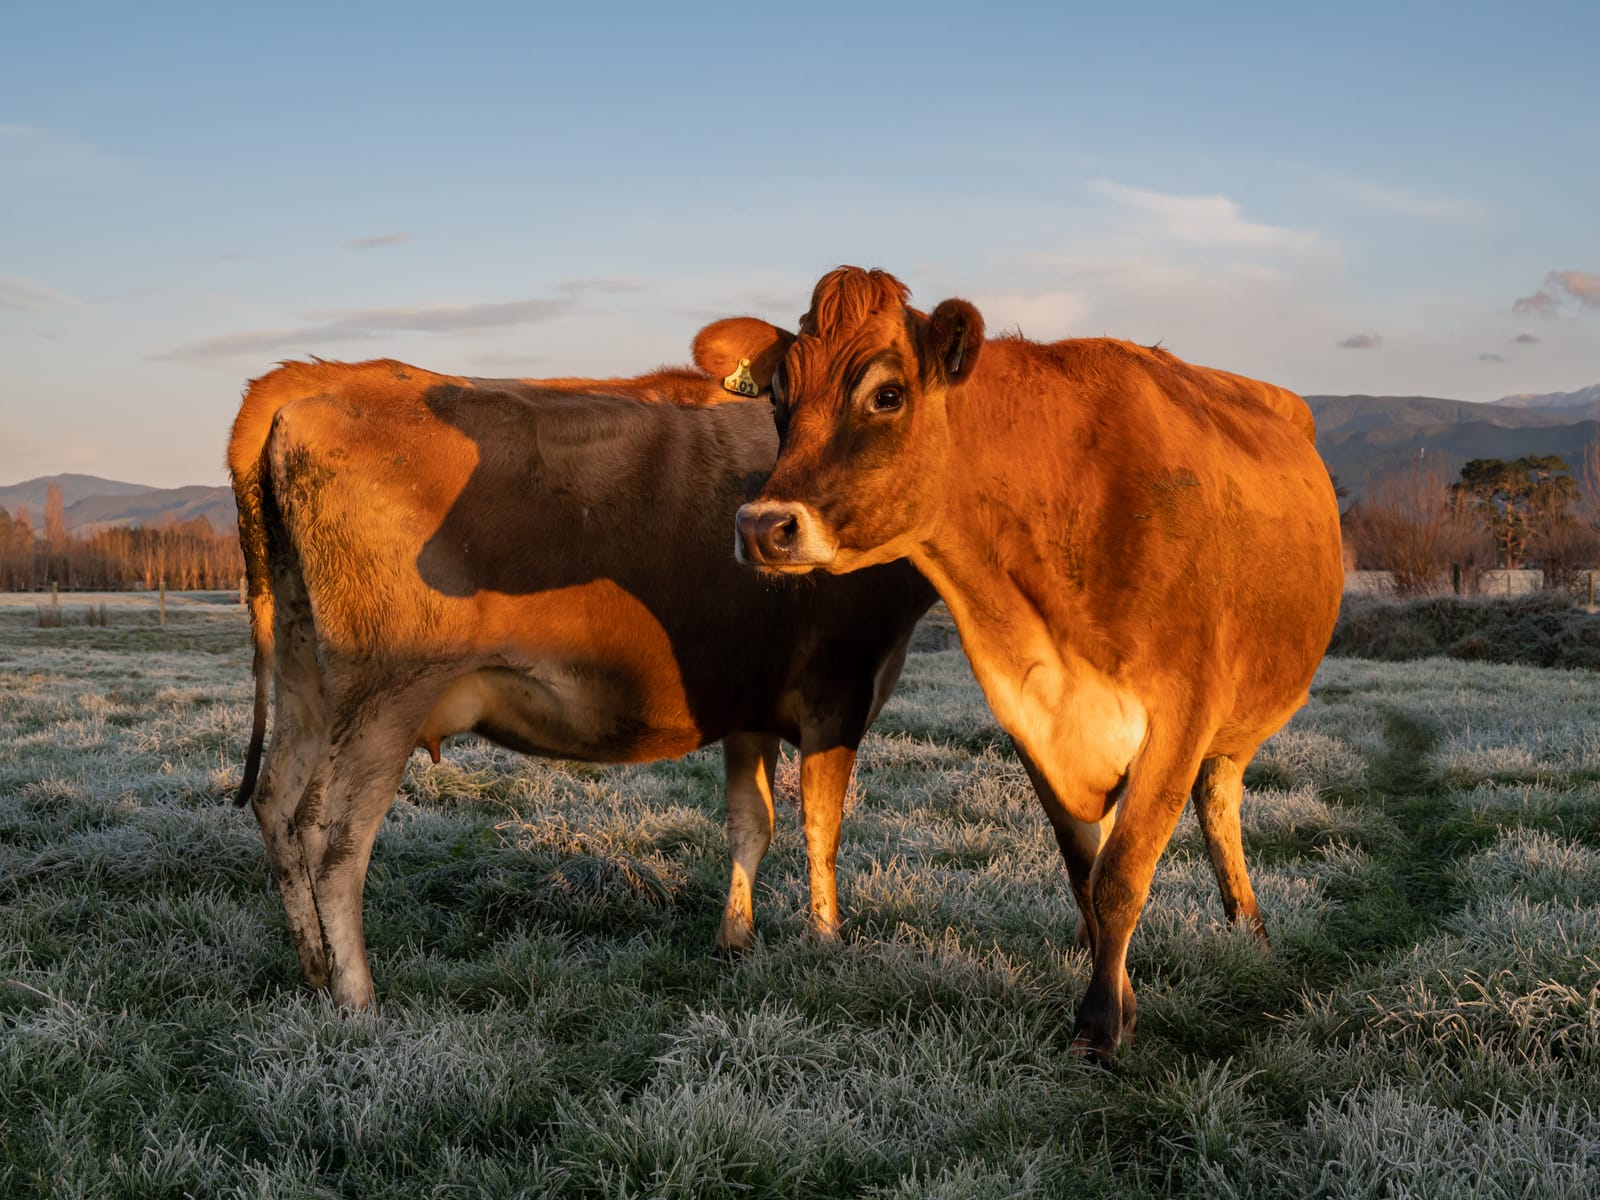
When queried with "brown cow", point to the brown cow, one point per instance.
{"points": [[1141, 557], [547, 565]]}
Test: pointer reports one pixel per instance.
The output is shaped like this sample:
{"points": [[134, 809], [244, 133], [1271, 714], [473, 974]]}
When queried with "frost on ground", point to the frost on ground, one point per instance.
{"points": [[1424, 839]]}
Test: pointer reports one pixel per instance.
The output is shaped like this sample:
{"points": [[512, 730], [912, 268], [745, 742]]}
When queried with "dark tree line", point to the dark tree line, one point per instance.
{"points": [[182, 555]]}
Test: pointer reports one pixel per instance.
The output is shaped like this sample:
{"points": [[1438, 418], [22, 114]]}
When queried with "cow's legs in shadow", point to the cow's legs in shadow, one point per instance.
{"points": [[364, 770], [749, 761], [287, 794], [1079, 841]]}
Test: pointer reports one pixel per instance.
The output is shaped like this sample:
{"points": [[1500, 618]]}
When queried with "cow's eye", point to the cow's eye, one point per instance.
{"points": [[886, 399]]}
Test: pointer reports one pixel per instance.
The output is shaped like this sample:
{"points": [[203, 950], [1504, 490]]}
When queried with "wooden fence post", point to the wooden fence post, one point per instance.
{"points": [[163, 601]]}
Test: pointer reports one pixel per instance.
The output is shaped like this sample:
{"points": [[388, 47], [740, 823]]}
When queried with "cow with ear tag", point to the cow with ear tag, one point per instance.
{"points": [[1141, 556], [544, 563]]}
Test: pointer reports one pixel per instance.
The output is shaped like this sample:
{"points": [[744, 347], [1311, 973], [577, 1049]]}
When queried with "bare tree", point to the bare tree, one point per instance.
{"points": [[55, 519], [1411, 525]]}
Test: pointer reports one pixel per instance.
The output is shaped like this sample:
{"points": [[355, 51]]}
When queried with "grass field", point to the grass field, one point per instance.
{"points": [[1425, 840]]}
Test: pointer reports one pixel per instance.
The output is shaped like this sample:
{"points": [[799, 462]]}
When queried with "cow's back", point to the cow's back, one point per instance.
{"points": [[576, 543]]}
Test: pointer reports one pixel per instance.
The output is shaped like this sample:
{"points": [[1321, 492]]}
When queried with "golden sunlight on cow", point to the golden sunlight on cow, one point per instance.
{"points": [[545, 564], [1142, 558]]}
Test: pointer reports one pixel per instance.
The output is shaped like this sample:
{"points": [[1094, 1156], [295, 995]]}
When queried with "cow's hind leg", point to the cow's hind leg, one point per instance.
{"points": [[291, 774], [1218, 795], [363, 770], [749, 761]]}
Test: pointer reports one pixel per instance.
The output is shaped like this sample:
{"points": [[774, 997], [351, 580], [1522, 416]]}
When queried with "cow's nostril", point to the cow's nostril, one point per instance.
{"points": [[778, 533]]}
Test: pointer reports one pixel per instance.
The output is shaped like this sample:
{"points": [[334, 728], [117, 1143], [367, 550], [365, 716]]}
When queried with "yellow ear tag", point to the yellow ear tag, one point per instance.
{"points": [[741, 382]]}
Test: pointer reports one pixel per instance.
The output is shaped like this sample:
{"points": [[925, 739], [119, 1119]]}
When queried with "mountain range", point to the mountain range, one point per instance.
{"points": [[93, 503], [1581, 398], [1361, 438]]}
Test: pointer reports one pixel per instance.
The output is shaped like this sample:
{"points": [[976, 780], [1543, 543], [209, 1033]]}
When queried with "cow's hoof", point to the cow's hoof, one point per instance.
{"points": [[1091, 1052], [735, 939]]}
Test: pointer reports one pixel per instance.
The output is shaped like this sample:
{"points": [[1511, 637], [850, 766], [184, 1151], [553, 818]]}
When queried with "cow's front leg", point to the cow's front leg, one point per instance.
{"points": [[1078, 834], [824, 779], [1158, 785], [749, 761]]}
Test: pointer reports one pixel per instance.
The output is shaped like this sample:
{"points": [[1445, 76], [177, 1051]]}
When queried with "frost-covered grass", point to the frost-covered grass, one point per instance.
{"points": [[1424, 837]]}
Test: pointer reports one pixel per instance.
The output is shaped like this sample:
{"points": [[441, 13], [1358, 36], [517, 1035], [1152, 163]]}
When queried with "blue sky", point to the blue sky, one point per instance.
{"points": [[1351, 198]]}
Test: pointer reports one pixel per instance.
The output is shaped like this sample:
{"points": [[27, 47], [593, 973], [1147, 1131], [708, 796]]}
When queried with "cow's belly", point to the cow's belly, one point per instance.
{"points": [[567, 709]]}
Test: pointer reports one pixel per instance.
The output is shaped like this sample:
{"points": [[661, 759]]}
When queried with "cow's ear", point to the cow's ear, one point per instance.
{"points": [[742, 352], [951, 342]]}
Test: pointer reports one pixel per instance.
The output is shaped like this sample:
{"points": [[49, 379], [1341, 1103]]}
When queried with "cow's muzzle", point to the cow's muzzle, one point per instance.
{"points": [[781, 535]]}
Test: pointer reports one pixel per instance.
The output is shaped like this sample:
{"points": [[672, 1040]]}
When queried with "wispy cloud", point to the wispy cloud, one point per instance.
{"points": [[1403, 201], [1492, 358], [25, 295], [366, 325], [1580, 287], [1360, 341], [1214, 221], [1526, 339], [446, 318], [382, 239], [519, 364], [1045, 315], [259, 342], [31, 150], [605, 287]]}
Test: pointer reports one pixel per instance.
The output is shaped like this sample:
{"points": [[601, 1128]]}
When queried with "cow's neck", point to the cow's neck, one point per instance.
{"points": [[1010, 560]]}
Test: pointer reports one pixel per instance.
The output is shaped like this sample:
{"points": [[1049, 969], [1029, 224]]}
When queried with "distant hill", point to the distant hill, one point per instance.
{"points": [[1582, 398], [1363, 438], [93, 503], [31, 493]]}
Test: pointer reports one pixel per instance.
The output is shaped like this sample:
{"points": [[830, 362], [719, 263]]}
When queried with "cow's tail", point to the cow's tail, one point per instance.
{"points": [[248, 467]]}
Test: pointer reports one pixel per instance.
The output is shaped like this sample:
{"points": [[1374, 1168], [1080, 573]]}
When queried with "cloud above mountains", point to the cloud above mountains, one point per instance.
{"points": [[1561, 287], [26, 295], [380, 240], [1360, 341], [1213, 221], [32, 151], [367, 325], [1403, 201]]}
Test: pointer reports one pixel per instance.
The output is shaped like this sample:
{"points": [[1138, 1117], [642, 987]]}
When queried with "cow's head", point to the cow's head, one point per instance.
{"points": [[863, 442]]}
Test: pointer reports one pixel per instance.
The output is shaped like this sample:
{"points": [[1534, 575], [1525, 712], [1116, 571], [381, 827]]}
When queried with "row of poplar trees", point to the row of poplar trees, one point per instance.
{"points": [[183, 555]]}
